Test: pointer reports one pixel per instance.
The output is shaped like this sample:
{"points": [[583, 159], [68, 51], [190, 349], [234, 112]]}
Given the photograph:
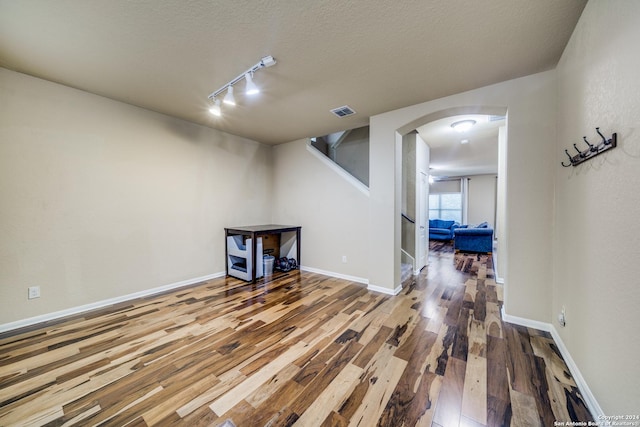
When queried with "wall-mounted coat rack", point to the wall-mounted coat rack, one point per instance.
{"points": [[592, 151]]}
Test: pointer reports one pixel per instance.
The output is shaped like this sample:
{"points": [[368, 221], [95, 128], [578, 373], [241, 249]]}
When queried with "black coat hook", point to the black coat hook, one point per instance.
{"points": [[570, 161], [604, 140], [578, 150], [592, 147]]}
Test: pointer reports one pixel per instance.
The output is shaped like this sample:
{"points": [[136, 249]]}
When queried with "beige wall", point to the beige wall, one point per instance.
{"points": [[482, 199], [101, 199], [409, 148], [597, 232], [409, 194], [449, 186], [423, 156], [531, 134], [500, 258], [332, 210], [353, 154]]}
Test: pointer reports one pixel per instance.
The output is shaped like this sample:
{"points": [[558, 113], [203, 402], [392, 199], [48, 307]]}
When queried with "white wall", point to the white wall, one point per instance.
{"points": [[332, 211], [530, 102], [597, 232], [101, 199], [482, 199]]}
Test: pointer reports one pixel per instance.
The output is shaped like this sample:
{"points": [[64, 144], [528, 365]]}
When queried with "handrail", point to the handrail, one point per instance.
{"points": [[411, 259], [348, 176], [412, 221]]}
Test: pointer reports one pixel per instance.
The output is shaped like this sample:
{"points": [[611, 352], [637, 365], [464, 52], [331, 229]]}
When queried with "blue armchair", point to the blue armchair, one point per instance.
{"points": [[475, 239], [442, 230]]}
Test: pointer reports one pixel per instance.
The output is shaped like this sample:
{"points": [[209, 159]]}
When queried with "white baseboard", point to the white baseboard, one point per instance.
{"points": [[589, 398], [356, 279], [336, 275], [535, 324], [104, 303], [499, 280], [384, 290]]}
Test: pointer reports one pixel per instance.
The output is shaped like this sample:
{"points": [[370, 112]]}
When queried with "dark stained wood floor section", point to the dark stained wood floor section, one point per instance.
{"points": [[303, 349]]}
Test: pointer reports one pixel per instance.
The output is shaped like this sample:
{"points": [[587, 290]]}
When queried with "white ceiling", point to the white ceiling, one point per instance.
{"points": [[450, 158], [376, 56]]}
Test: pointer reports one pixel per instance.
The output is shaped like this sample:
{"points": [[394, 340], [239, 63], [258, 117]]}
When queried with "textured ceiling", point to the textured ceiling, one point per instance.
{"points": [[375, 56]]}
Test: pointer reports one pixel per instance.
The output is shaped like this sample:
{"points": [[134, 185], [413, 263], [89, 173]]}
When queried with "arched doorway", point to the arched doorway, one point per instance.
{"points": [[406, 135]]}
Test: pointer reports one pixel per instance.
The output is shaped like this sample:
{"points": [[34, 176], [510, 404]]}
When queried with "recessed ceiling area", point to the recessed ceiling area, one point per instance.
{"points": [[450, 156], [375, 56]]}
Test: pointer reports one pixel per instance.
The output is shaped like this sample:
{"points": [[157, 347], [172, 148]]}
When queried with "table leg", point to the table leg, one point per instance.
{"points": [[226, 254], [254, 245], [298, 247]]}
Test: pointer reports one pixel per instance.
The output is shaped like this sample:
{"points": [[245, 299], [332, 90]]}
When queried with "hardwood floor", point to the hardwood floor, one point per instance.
{"points": [[303, 349]]}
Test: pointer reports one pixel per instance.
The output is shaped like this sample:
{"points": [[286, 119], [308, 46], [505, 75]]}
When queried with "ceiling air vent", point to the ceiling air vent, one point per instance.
{"points": [[496, 118], [343, 111]]}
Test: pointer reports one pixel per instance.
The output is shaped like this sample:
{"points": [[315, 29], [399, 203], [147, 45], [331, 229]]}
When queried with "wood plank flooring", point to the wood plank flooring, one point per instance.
{"points": [[303, 349]]}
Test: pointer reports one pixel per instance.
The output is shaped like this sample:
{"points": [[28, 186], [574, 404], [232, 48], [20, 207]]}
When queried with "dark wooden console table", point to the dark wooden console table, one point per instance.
{"points": [[255, 231]]}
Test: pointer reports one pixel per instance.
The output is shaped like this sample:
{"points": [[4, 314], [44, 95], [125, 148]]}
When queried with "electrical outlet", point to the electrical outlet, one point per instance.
{"points": [[34, 292], [344, 259]]}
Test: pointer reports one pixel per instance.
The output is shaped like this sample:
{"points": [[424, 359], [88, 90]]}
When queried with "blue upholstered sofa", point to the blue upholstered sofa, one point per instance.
{"points": [[442, 230], [474, 239]]}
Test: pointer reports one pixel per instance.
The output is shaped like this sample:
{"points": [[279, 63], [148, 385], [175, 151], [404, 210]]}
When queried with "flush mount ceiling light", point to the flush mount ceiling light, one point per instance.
{"points": [[464, 141], [251, 88], [463, 125]]}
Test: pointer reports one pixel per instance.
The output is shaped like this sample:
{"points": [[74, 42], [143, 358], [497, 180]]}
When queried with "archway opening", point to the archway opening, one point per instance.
{"points": [[412, 220]]}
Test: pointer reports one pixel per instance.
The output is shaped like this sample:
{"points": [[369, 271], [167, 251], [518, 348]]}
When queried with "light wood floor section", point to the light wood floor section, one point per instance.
{"points": [[303, 349]]}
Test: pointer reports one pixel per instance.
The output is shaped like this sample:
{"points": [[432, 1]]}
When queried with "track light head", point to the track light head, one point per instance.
{"points": [[229, 99], [251, 89], [215, 108]]}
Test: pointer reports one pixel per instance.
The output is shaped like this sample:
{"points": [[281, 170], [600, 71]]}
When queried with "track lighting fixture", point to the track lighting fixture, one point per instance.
{"points": [[251, 88]]}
